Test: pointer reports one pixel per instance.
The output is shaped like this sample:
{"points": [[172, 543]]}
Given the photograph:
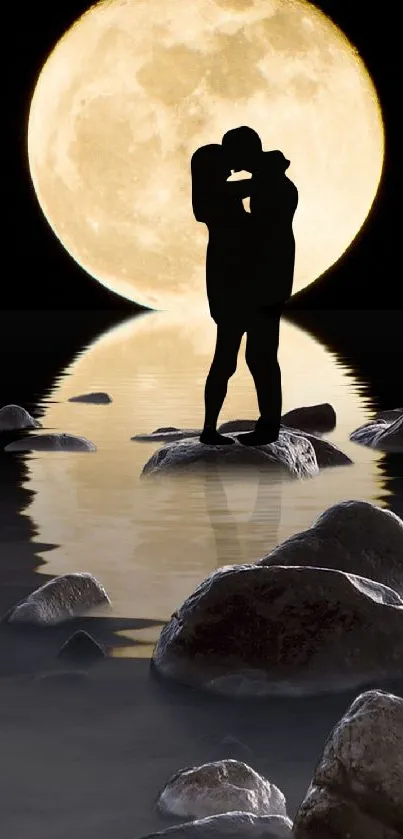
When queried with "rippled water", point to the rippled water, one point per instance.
{"points": [[151, 542]]}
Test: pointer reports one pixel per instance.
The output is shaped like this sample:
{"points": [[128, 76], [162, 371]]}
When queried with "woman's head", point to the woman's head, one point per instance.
{"points": [[209, 164], [277, 161]]}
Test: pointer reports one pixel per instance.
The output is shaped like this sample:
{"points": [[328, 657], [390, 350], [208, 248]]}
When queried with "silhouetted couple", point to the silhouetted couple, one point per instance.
{"points": [[249, 270]]}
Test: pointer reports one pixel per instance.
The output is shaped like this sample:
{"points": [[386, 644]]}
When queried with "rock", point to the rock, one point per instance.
{"points": [[167, 435], [81, 647], [352, 536], [291, 452], [220, 787], [389, 416], [51, 443], [314, 418], [235, 825], [98, 398], [320, 418], [327, 454], [357, 788], [61, 599], [256, 630], [14, 418], [385, 432]]}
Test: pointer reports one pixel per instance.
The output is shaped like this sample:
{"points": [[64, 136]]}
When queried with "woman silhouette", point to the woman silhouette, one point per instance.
{"points": [[218, 203]]}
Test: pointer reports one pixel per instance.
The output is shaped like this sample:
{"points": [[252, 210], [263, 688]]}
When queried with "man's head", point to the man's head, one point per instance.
{"points": [[243, 148]]}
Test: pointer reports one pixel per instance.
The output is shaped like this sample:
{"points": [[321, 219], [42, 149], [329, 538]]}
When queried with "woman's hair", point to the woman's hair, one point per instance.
{"points": [[209, 169], [210, 162]]}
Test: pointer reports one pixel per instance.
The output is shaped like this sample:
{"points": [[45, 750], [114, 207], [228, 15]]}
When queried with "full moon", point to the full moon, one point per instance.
{"points": [[130, 91]]}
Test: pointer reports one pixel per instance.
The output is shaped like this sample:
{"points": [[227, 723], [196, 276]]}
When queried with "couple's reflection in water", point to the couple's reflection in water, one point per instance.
{"points": [[261, 529]]}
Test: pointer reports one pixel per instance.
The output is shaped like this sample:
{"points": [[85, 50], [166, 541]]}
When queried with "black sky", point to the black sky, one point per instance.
{"points": [[39, 274]]}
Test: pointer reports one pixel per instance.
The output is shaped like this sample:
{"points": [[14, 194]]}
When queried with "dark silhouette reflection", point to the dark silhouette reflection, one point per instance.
{"points": [[249, 270], [261, 530]]}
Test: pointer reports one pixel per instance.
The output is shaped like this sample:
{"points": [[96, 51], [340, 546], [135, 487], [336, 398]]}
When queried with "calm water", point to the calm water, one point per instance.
{"points": [[151, 542]]}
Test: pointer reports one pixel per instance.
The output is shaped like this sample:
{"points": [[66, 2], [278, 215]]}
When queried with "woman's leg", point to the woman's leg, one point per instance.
{"points": [[229, 336]]}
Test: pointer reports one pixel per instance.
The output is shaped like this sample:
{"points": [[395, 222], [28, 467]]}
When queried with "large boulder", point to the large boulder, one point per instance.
{"points": [[236, 825], [15, 418], [256, 630], [220, 787], [292, 453], [384, 432], [357, 788], [61, 599], [353, 536], [51, 443]]}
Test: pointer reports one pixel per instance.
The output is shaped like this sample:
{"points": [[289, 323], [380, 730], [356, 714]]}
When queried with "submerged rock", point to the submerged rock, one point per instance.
{"points": [[51, 443], [357, 788], [385, 432], [353, 536], [220, 787], [15, 418], [98, 398], [291, 452], [61, 599], [81, 647], [234, 825], [256, 630]]}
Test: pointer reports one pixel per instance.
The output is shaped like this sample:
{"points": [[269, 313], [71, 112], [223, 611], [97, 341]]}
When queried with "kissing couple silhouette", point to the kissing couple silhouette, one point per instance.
{"points": [[249, 270]]}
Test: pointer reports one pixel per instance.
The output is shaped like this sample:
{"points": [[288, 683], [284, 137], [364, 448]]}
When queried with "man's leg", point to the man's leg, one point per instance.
{"points": [[261, 358], [229, 336]]}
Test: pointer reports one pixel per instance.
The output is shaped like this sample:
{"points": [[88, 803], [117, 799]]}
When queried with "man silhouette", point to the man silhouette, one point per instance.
{"points": [[273, 202]]}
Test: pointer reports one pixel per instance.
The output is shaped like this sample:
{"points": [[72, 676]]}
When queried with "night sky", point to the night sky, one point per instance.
{"points": [[42, 276]]}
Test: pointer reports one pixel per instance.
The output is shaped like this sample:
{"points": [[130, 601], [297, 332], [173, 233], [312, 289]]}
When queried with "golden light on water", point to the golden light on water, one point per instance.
{"points": [[151, 543]]}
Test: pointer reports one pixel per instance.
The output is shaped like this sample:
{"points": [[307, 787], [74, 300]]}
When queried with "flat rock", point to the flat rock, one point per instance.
{"points": [[15, 418], [236, 825], [82, 648], [51, 443], [353, 536], [220, 787], [384, 432], [318, 418], [61, 599], [327, 454], [98, 398], [256, 630], [357, 788], [291, 452]]}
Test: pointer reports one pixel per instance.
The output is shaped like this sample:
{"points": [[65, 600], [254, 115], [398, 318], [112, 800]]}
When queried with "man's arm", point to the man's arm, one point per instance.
{"points": [[241, 188]]}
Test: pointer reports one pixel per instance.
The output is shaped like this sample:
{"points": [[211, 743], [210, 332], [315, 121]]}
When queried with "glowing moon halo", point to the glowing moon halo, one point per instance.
{"points": [[125, 98]]}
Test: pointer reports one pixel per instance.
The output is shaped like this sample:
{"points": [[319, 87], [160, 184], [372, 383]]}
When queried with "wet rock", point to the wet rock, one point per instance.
{"points": [[235, 825], [353, 536], [51, 443], [98, 398], [81, 648], [327, 454], [291, 452], [385, 432], [15, 418], [319, 418], [220, 787], [357, 788], [256, 630], [316, 418], [61, 599]]}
